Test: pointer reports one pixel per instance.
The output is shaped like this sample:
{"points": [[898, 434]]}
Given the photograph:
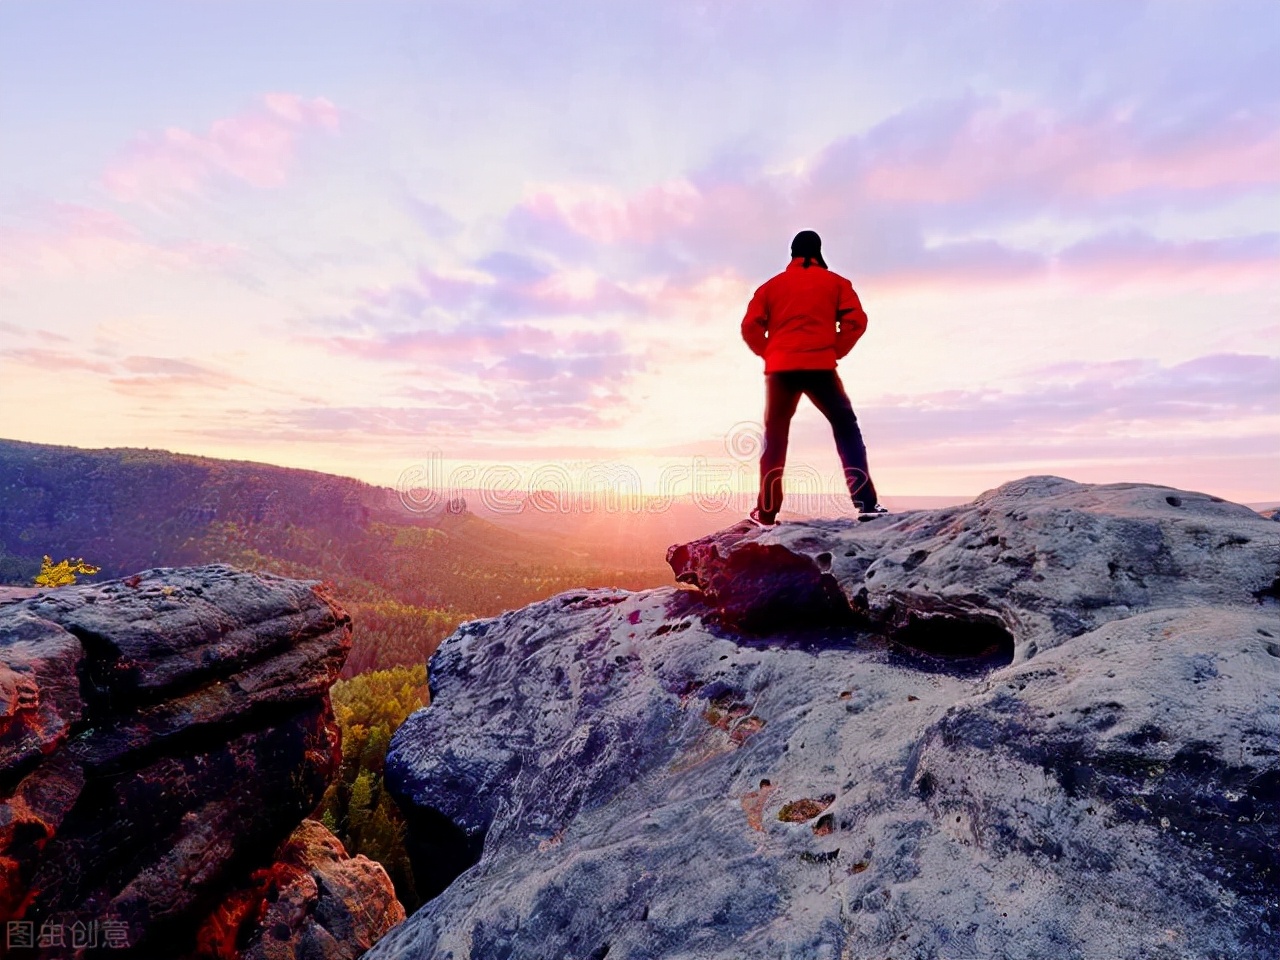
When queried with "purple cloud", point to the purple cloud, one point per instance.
{"points": [[1102, 406], [510, 329]]}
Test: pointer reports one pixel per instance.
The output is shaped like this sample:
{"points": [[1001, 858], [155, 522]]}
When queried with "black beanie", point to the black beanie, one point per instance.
{"points": [[808, 244]]}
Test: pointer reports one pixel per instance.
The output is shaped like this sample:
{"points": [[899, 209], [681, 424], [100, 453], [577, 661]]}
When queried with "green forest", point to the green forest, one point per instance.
{"points": [[360, 813]]}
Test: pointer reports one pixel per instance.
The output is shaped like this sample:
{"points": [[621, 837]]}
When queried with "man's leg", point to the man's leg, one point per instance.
{"points": [[826, 391], [781, 398]]}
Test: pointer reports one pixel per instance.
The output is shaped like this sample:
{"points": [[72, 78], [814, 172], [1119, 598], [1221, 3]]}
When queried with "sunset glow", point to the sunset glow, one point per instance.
{"points": [[353, 236]]}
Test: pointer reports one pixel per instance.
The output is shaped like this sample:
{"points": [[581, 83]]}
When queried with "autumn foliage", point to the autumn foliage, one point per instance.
{"points": [[63, 573]]}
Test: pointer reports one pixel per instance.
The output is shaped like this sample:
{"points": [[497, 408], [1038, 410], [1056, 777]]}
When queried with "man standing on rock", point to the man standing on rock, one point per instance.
{"points": [[802, 321]]}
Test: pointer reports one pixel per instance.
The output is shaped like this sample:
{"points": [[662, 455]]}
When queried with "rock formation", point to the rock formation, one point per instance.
{"points": [[312, 901], [1043, 724], [160, 736]]}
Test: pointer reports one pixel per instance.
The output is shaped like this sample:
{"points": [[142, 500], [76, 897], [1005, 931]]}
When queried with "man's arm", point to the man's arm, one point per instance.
{"points": [[756, 323], [852, 321]]}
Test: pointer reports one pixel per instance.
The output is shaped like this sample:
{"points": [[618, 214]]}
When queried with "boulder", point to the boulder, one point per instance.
{"points": [[1040, 724], [314, 902], [160, 735]]}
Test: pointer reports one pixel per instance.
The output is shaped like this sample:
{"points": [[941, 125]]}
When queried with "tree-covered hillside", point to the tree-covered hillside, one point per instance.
{"points": [[407, 578]]}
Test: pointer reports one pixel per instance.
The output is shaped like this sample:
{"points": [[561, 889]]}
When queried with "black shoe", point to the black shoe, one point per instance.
{"points": [[759, 521], [871, 512]]}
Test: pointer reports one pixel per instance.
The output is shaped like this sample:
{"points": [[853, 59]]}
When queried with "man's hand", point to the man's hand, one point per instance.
{"points": [[852, 322]]}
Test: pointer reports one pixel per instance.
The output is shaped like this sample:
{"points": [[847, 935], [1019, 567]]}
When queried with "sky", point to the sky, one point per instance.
{"points": [[517, 240]]}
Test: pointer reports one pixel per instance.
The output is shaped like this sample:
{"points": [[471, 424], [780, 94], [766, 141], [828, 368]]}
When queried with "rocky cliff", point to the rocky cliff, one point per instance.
{"points": [[160, 736], [1043, 724]]}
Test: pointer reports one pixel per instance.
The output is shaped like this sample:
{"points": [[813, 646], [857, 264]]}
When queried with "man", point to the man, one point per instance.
{"points": [[802, 321]]}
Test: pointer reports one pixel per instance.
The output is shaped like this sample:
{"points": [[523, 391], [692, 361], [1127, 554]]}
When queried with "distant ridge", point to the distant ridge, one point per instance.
{"points": [[126, 509]]}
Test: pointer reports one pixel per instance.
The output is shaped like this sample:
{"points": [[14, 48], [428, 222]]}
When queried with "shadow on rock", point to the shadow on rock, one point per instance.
{"points": [[943, 644]]}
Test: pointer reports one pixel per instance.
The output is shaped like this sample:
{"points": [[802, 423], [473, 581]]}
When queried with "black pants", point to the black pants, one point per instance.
{"points": [[782, 395]]}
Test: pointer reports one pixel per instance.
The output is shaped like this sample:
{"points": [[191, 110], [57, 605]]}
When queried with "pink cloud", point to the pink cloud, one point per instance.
{"points": [[68, 240], [57, 361], [606, 215], [996, 152], [1135, 258], [257, 147], [131, 374], [167, 375], [1106, 261]]}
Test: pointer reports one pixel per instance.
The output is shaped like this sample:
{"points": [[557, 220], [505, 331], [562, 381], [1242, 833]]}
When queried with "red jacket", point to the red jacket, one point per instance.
{"points": [[805, 318]]}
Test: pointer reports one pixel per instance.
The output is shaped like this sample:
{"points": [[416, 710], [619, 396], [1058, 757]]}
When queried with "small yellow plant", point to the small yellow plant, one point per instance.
{"points": [[64, 573]]}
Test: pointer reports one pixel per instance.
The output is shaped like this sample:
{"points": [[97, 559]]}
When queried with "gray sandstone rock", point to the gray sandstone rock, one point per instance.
{"points": [[1044, 724]]}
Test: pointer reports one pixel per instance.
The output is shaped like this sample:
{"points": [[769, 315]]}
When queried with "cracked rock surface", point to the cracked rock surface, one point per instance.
{"points": [[1043, 724]]}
